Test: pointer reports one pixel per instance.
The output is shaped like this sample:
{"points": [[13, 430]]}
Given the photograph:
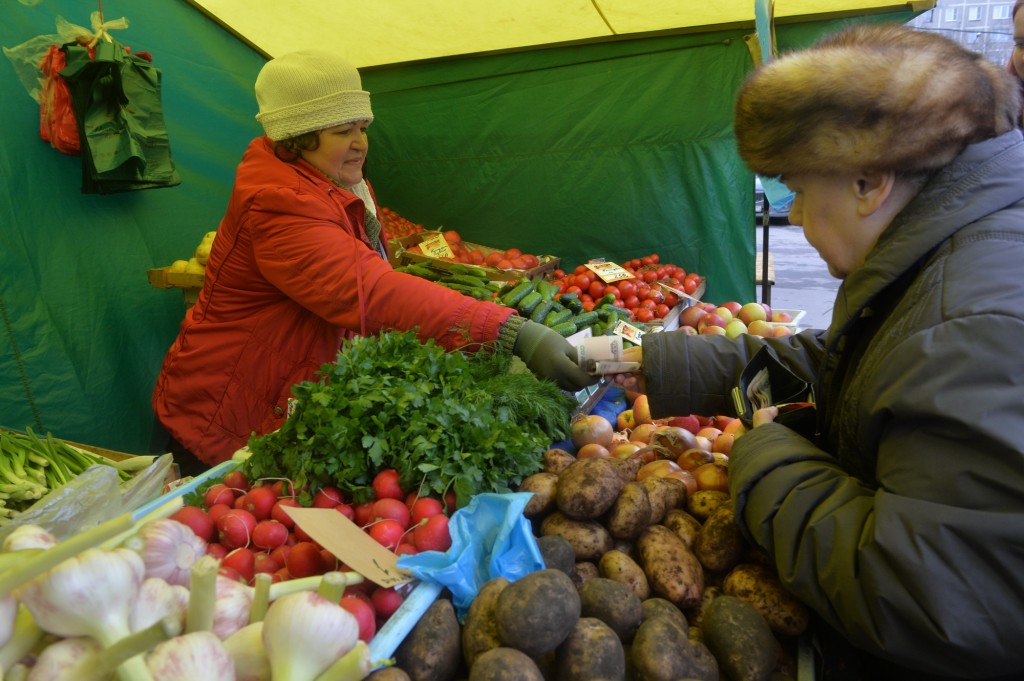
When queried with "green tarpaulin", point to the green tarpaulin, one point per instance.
{"points": [[610, 150]]}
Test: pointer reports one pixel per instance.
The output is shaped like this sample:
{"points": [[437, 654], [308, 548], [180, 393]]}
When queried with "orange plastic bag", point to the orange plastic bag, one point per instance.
{"points": [[57, 122]]}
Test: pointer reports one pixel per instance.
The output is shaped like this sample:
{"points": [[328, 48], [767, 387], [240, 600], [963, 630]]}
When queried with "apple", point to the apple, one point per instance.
{"points": [[690, 423], [625, 420], [735, 328], [751, 312], [709, 307], [703, 442], [781, 331], [690, 315], [720, 421], [712, 331], [724, 312], [591, 450], [759, 327], [736, 427], [641, 410], [733, 307], [782, 316], [767, 310], [688, 330], [711, 319], [709, 432], [723, 443]]}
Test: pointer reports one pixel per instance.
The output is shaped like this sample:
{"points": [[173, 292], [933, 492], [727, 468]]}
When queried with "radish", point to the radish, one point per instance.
{"points": [[386, 601], [304, 560], [216, 511], [236, 480], [425, 507], [280, 515], [235, 528], [260, 501], [242, 561], [362, 608], [386, 485], [219, 494], [388, 533], [433, 535], [327, 497], [269, 534], [346, 510], [198, 520], [392, 509]]}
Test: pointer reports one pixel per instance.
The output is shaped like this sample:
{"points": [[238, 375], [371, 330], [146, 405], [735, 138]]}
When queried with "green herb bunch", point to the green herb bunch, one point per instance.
{"points": [[444, 420]]}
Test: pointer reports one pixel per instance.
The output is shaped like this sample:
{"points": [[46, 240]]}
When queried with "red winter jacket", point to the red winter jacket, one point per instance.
{"points": [[290, 276]]}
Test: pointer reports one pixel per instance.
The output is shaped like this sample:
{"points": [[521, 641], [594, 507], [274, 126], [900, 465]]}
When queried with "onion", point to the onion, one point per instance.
{"points": [[592, 429]]}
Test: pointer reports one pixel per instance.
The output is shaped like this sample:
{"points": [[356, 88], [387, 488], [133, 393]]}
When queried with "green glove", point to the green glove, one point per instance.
{"points": [[551, 356]]}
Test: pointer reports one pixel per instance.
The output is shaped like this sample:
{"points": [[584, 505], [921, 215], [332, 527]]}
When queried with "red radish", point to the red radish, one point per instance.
{"points": [[269, 534], [219, 493], [236, 480], [281, 575], [260, 501], [235, 528], [392, 509], [347, 511], [198, 520], [231, 573], [284, 489], [328, 560], [386, 601], [327, 497], [264, 563], [280, 515], [388, 533], [216, 511], [300, 534], [216, 550], [406, 548], [433, 535], [243, 561], [239, 502], [304, 560], [424, 507], [280, 555], [386, 485], [449, 502], [362, 609], [364, 513]]}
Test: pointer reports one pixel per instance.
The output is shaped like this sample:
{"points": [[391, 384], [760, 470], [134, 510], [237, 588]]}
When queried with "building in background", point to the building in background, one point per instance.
{"points": [[981, 25]]}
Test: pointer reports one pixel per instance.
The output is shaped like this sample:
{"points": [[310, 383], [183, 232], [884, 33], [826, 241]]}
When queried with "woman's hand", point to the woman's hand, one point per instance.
{"points": [[765, 415]]}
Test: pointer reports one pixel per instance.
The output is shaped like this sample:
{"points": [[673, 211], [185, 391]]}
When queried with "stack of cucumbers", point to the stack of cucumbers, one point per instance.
{"points": [[540, 301], [467, 279]]}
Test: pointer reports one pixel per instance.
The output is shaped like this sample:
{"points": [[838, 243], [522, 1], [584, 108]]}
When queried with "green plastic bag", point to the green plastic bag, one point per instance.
{"points": [[116, 98]]}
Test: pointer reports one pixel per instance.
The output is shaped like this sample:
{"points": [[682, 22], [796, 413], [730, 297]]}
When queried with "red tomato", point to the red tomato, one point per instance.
{"points": [[647, 304], [596, 288], [689, 286], [631, 302], [492, 259], [583, 281], [661, 311], [452, 237], [504, 264], [656, 295], [558, 274], [519, 263], [614, 290], [627, 288], [580, 269], [644, 314], [531, 260], [574, 289], [588, 305], [513, 253], [671, 299], [650, 276]]}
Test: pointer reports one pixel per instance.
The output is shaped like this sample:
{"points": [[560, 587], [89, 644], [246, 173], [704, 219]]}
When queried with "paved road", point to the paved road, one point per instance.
{"points": [[802, 281]]}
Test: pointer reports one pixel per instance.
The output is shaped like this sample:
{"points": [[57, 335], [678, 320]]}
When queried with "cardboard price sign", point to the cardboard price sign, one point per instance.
{"points": [[436, 247], [609, 272], [350, 545]]}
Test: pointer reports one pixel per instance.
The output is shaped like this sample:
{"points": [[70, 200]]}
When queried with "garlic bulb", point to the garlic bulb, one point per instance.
{"points": [[64, 659], [158, 599], [231, 609], [304, 634], [169, 549], [28, 537], [246, 648], [199, 655], [8, 614]]}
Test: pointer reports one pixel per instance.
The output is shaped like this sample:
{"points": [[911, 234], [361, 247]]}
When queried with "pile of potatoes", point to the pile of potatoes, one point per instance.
{"points": [[643, 581]]}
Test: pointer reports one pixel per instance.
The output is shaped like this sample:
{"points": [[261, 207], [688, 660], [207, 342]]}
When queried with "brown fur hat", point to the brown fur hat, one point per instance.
{"points": [[871, 97]]}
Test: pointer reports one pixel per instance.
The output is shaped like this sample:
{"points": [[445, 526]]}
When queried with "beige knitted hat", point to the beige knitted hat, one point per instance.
{"points": [[309, 90]]}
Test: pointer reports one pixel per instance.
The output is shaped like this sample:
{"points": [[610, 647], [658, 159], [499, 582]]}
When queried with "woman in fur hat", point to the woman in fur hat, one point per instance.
{"points": [[299, 264], [900, 520]]}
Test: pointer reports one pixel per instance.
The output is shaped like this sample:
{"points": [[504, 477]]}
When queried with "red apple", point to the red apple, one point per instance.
{"points": [[781, 331], [713, 331], [759, 327], [736, 427], [752, 312], [688, 330], [690, 315], [732, 306], [689, 422], [641, 410], [711, 319], [782, 316], [642, 433], [625, 420], [725, 313]]}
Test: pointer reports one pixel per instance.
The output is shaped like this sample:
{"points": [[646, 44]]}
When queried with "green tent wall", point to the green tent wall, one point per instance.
{"points": [[610, 150]]}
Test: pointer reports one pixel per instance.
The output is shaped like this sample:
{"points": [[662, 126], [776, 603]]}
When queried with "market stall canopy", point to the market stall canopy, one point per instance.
{"points": [[396, 31]]}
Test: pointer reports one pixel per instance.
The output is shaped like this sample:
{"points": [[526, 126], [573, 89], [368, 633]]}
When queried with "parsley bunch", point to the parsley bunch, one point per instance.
{"points": [[444, 420]]}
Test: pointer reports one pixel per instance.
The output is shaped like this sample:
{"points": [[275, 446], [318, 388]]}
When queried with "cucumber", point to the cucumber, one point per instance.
{"points": [[542, 311], [557, 317], [520, 291], [467, 270], [466, 280], [528, 304], [565, 329], [586, 319]]}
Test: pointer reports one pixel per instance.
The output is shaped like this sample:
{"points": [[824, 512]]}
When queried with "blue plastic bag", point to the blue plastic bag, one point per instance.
{"points": [[490, 538]]}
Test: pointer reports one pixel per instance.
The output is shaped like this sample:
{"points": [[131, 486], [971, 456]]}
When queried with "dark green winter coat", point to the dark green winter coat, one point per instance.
{"points": [[902, 523]]}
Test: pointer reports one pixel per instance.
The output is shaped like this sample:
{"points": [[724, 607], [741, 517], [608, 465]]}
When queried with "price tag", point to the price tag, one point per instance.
{"points": [[608, 271], [628, 331], [436, 247], [350, 544]]}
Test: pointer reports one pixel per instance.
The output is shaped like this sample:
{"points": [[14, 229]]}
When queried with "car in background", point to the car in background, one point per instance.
{"points": [[775, 215]]}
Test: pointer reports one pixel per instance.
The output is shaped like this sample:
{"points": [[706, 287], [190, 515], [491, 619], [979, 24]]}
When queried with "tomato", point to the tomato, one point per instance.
{"points": [[583, 281], [671, 299], [596, 288], [558, 274], [650, 276], [531, 260], [504, 264], [588, 305], [574, 289], [648, 260], [513, 253], [644, 315], [476, 257], [580, 269], [661, 311], [631, 302], [689, 286], [627, 288], [519, 263], [614, 290], [452, 237], [656, 295], [493, 259]]}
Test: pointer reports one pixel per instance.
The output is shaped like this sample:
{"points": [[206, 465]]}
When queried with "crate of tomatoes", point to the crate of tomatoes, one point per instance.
{"points": [[499, 264]]}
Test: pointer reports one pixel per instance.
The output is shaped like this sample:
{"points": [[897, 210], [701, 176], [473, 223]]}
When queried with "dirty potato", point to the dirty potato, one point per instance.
{"points": [[630, 513], [619, 566], [672, 570], [536, 612], [588, 488], [720, 543], [544, 488], [684, 525], [589, 538], [480, 629], [592, 652], [613, 603], [761, 587]]}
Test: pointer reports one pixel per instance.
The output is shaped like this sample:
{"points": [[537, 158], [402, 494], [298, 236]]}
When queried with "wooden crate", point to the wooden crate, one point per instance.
{"points": [[400, 255]]}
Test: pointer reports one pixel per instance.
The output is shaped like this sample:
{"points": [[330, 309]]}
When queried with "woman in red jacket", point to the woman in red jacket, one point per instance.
{"points": [[299, 265]]}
